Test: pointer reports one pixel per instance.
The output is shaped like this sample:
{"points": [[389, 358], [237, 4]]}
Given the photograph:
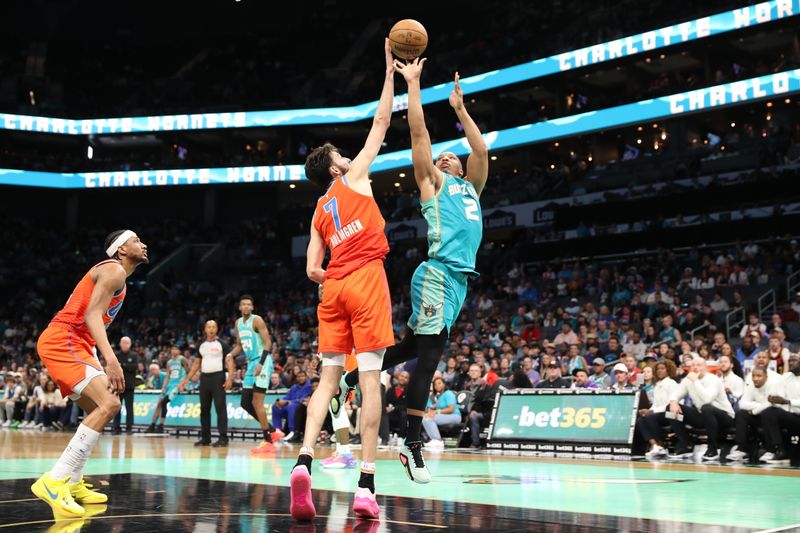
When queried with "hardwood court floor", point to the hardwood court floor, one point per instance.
{"points": [[166, 484]]}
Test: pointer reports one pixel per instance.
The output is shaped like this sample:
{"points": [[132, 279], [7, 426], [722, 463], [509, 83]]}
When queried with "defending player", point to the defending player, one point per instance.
{"points": [[255, 341], [66, 349], [355, 311], [451, 207], [177, 368]]}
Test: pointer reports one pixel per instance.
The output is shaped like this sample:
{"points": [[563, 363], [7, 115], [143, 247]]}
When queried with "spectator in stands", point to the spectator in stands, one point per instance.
{"points": [[581, 379], [738, 277], [754, 325], [12, 392], [668, 332], [32, 410], [718, 304], [396, 404], [450, 372], [576, 360], [527, 367], [599, 376], [635, 346], [286, 407], [622, 379], [747, 353], [275, 381], [760, 360], [483, 395], [612, 352], [731, 382], [301, 413], [52, 406], [784, 413], [778, 355], [442, 409], [705, 406], [651, 421], [566, 336], [748, 419], [553, 380], [631, 364], [716, 345]]}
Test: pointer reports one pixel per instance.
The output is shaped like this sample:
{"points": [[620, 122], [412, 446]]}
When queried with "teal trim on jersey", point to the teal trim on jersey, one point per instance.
{"points": [[455, 224], [249, 339], [437, 296]]}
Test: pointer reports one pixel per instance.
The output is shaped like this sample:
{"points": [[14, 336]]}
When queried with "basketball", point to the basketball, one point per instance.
{"points": [[408, 39]]}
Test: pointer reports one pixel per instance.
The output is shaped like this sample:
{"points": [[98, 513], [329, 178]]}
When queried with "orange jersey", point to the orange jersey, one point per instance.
{"points": [[74, 310], [352, 226]]}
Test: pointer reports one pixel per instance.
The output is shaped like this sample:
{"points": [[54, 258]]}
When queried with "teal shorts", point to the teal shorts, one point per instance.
{"points": [[262, 380], [437, 295]]}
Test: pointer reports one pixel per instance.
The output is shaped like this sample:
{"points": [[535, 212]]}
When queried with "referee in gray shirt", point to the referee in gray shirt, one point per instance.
{"points": [[214, 354]]}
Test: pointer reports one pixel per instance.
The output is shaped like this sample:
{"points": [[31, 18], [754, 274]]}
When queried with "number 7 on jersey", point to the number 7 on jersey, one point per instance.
{"points": [[332, 207]]}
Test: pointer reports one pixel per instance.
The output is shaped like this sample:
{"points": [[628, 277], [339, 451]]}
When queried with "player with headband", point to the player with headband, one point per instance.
{"points": [[66, 348]]}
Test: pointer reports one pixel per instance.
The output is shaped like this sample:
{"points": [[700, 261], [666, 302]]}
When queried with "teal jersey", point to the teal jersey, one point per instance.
{"points": [[251, 342], [176, 371], [455, 225]]}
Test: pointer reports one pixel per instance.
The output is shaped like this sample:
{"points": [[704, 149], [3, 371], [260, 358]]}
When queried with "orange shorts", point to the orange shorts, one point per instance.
{"points": [[69, 360], [350, 362], [356, 312]]}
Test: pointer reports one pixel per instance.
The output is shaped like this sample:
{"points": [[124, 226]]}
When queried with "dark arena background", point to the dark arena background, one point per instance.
{"points": [[625, 361]]}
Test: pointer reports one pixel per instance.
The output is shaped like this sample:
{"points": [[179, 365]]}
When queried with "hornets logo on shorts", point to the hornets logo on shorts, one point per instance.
{"points": [[430, 310]]}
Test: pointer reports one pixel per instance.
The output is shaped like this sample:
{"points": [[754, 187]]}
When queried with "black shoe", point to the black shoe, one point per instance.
{"points": [[296, 439], [116, 431], [151, 428], [356, 440], [220, 444], [711, 455], [203, 442], [681, 453], [160, 428], [779, 458]]}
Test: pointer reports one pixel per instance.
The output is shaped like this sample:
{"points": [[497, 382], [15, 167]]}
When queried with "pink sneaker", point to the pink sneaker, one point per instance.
{"points": [[336, 461], [302, 506], [365, 505]]}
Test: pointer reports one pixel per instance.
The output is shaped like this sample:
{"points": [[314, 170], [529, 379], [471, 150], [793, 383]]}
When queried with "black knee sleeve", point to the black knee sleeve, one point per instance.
{"points": [[429, 352], [247, 402]]}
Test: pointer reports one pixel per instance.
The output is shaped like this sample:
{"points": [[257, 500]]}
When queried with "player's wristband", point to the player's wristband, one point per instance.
{"points": [[264, 356]]}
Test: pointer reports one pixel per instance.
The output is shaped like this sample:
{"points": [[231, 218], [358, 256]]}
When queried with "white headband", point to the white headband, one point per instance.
{"points": [[119, 241]]}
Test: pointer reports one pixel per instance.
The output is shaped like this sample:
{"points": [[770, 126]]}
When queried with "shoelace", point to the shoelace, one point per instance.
{"points": [[416, 453]]}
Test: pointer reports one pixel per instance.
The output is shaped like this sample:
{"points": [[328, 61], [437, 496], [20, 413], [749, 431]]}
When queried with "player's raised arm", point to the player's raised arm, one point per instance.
{"points": [[380, 124], [425, 172], [110, 279], [478, 161], [315, 255]]}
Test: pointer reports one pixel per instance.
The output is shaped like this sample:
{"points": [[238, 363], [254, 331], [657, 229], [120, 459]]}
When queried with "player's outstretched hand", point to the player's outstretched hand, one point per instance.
{"points": [[457, 96], [410, 71], [389, 58], [116, 379], [228, 384]]}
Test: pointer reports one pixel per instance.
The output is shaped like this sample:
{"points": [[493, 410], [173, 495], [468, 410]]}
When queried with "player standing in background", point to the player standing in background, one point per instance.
{"points": [[356, 309], [177, 368], [66, 348], [255, 341], [451, 207]]}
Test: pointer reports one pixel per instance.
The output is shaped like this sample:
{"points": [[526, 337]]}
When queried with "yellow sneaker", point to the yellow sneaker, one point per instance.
{"points": [[83, 494], [57, 495]]}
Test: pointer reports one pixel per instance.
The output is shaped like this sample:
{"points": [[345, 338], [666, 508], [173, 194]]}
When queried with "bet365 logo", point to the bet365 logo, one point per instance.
{"points": [[567, 417]]}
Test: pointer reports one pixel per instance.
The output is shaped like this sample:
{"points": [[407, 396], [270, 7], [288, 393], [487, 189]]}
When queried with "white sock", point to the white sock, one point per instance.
{"points": [[342, 449], [74, 458]]}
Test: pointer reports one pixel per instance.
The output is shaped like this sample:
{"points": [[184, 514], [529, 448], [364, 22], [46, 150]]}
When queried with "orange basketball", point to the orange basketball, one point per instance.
{"points": [[408, 39]]}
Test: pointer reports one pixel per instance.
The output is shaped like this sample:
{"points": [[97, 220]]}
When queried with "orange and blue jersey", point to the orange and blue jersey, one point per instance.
{"points": [[353, 228], [72, 314]]}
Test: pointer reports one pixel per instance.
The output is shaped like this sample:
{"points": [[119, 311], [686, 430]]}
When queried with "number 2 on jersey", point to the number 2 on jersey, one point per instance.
{"points": [[471, 209], [332, 207]]}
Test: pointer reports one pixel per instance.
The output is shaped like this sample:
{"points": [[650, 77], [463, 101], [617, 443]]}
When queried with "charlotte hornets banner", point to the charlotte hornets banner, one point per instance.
{"points": [[591, 55]]}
